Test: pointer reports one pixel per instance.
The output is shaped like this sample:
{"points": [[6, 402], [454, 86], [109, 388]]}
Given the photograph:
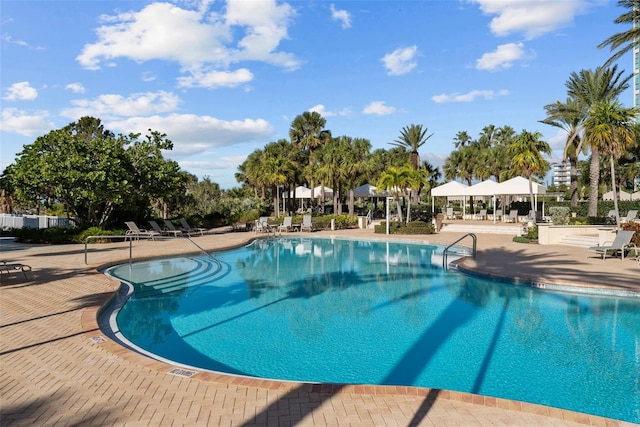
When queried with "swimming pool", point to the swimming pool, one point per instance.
{"points": [[371, 312]]}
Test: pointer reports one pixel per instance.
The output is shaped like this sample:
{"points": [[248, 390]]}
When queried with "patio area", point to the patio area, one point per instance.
{"points": [[59, 369]]}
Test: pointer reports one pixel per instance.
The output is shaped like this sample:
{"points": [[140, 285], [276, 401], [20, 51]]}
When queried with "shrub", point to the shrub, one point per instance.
{"points": [[414, 227], [62, 235], [636, 227], [560, 215]]}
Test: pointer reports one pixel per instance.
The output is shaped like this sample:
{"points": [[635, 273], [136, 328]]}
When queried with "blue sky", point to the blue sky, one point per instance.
{"points": [[226, 77]]}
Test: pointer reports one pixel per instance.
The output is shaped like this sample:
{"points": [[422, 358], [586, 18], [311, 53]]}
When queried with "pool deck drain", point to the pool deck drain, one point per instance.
{"points": [[56, 372]]}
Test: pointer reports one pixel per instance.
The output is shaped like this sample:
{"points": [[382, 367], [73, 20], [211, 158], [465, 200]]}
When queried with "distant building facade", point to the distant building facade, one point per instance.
{"points": [[562, 174]]}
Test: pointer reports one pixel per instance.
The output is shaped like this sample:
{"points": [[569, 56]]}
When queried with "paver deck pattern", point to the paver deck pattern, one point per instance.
{"points": [[55, 373]]}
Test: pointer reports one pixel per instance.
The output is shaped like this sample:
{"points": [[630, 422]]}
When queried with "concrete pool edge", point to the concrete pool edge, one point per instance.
{"points": [[91, 328]]}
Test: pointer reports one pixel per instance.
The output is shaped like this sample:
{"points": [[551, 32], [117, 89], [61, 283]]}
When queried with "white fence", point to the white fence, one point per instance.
{"points": [[8, 221]]}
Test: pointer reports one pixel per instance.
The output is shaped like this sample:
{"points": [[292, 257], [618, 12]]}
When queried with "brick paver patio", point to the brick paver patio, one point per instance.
{"points": [[59, 369]]}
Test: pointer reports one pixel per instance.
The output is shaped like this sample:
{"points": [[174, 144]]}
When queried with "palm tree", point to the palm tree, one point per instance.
{"points": [[393, 180], [568, 116], [588, 88], [356, 165], [610, 128], [412, 138], [526, 152], [626, 40], [307, 133]]}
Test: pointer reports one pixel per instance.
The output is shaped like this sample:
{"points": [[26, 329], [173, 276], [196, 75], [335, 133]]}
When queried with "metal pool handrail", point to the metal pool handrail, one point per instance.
{"points": [[473, 252], [86, 243]]}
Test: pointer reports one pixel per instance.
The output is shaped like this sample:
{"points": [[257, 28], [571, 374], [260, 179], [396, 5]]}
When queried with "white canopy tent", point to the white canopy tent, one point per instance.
{"points": [[622, 195], [367, 190], [517, 186]]}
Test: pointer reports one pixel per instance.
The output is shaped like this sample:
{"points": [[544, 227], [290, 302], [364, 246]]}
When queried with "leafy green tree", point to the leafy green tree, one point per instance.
{"points": [[356, 166], [526, 151], [610, 129], [626, 40], [95, 173]]}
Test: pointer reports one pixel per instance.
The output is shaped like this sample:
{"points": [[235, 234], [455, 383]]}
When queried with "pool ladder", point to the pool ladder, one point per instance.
{"points": [[473, 250]]}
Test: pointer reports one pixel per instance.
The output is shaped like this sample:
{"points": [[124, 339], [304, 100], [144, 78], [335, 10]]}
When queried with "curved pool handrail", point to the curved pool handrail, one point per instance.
{"points": [[473, 252]]}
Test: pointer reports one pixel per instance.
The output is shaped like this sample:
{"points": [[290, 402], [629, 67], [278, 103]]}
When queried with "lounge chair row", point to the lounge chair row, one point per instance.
{"points": [[169, 229], [262, 225]]}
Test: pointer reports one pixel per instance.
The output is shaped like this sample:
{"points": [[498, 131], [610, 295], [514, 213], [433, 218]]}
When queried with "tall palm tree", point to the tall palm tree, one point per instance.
{"points": [[412, 138], [610, 128], [626, 40], [307, 133], [568, 116], [588, 88], [526, 151], [356, 165]]}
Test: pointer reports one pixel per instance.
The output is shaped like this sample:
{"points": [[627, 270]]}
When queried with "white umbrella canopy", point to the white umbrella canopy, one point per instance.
{"points": [[452, 188], [300, 191], [328, 192], [519, 186], [365, 190], [622, 195]]}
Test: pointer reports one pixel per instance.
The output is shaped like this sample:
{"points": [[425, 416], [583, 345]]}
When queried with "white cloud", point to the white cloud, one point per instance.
{"points": [[214, 79], [503, 57], [340, 15], [532, 18], [400, 61], [379, 108], [322, 110], [75, 87], [8, 39], [110, 105], [201, 132], [24, 123], [469, 96], [21, 91], [202, 41]]}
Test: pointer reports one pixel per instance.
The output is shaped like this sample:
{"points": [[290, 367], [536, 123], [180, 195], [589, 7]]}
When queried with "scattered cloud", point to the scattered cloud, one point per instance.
{"points": [[400, 61], [21, 91], [530, 18], [203, 42], [111, 105], [75, 87], [213, 79], [341, 15], [379, 108], [503, 57], [8, 39], [24, 123], [321, 109], [201, 132], [469, 96]]}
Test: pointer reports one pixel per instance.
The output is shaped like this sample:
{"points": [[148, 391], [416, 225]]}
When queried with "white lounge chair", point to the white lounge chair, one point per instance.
{"points": [[262, 225], [631, 215], [513, 216], [189, 229], [498, 214], [137, 232], [481, 215], [286, 224], [620, 243], [306, 223], [165, 232], [449, 214]]}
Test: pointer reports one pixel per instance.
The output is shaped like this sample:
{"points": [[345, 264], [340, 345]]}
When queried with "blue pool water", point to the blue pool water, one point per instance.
{"points": [[368, 312]]}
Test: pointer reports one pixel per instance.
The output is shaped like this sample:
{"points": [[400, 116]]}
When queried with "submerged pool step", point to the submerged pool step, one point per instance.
{"points": [[197, 277]]}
